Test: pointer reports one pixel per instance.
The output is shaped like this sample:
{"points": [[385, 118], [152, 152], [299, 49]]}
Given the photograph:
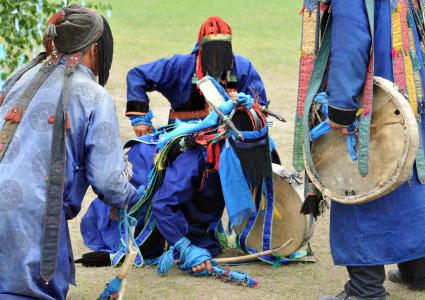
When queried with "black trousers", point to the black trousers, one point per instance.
{"points": [[368, 282]]}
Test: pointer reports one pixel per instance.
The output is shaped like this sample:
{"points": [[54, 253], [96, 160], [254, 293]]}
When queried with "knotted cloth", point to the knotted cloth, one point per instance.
{"points": [[191, 256]]}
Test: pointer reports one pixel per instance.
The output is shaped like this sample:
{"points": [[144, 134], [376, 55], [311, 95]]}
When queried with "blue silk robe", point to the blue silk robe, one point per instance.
{"points": [[180, 208], [390, 229], [94, 157], [172, 77]]}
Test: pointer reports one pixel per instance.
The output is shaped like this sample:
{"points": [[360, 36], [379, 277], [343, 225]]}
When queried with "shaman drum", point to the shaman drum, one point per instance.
{"points": [[287, 222], [394, 140]]}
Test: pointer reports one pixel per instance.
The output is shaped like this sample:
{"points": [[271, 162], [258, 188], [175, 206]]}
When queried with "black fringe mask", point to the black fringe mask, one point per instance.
{"points": [[255, 161], [217, 58], [105, 51]]}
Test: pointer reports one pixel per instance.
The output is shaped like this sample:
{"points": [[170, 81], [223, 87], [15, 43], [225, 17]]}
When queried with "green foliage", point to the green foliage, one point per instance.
{"points": [[22, 27]]}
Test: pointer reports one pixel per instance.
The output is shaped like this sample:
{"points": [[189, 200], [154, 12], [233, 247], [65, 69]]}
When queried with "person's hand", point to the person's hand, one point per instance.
{"points": [[140, 130], [206, 265], [342, 129]]}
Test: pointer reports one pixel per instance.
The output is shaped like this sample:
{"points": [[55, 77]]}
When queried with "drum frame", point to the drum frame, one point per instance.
{"points": [[267, 221], [404, 167]]}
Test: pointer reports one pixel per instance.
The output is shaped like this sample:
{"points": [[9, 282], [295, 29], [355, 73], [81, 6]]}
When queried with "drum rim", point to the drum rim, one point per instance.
{"points": [[403, 169], [308, 221]]}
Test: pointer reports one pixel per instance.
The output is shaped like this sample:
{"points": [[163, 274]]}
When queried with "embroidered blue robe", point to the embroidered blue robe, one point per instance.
{"points": [[172, 77], [93, 157], [390, 229], [181, 207]]}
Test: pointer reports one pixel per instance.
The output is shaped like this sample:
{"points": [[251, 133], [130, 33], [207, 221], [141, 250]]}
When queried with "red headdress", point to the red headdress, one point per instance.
{"points": [[213, 29]]}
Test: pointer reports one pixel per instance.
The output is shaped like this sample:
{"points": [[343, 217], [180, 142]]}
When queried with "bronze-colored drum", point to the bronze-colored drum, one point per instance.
{"points": [[393, 145], [288, 223]]}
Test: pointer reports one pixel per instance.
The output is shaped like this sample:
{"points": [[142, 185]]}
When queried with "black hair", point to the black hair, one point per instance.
{"points": [[255, 160], [105, 46]]}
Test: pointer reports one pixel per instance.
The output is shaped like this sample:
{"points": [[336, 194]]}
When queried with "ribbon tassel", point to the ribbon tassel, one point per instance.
{"points": [[18, 115]]}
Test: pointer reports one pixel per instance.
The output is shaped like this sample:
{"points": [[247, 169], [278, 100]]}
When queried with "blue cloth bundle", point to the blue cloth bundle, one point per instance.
{"points": [[142, 120], [190, 256], [324, 127]]}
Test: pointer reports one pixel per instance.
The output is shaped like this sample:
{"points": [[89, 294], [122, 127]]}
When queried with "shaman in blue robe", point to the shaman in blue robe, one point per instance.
{"points": [[390, 229], [93, 157], [183, 206], [175, 79]]}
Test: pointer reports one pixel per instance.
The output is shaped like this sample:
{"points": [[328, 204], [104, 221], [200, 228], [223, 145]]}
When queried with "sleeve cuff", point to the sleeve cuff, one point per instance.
{"points": [[342, 117], [136, 107]]}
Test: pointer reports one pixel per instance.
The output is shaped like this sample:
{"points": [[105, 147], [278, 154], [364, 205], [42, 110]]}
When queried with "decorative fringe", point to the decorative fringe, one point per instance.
{"points": [[368, 88], [14, 114], [166, 261], [306, 68], [404, 26], [18, 115], [51, 119], [222, 239], [255, 161], [67, 122], [393, 53], [217, 58], [204, 177], [324, 7], [240, 278], [409, 21], [50, 32], [310, 5], [276, 264], [95, 259], [9, 114], [216, 156], [311, 206], [415, 61]]}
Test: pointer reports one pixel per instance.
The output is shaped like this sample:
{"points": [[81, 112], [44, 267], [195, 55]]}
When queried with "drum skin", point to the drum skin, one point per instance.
{"points": [[394, 140], [288, 223]]}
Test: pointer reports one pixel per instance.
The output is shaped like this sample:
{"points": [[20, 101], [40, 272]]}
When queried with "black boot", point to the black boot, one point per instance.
{"points": [[344, 296], [396, 277]]}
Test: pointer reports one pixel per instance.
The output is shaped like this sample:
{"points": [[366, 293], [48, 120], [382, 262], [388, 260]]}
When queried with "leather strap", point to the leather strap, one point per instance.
{"points": [[366, 117], [56, 178]]}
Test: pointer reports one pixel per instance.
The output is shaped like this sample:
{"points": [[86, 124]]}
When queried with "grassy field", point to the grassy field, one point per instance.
{"points": [[266, 32]]}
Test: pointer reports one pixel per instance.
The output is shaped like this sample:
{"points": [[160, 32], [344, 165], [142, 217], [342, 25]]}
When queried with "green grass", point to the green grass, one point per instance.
{"points": [[266, 32]]}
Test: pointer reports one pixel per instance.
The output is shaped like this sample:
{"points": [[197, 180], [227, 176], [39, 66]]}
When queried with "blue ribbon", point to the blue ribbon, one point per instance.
{"points": [[236, 192], [125, 223], [142, 120], [114, 286], [324, 127]]}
